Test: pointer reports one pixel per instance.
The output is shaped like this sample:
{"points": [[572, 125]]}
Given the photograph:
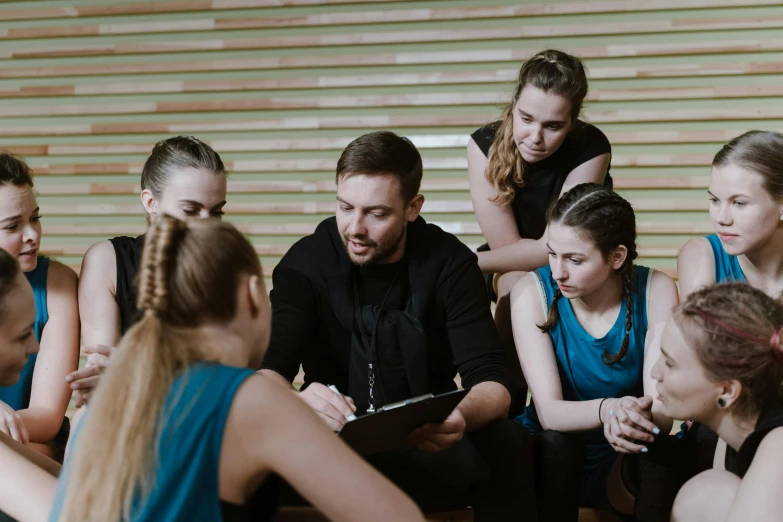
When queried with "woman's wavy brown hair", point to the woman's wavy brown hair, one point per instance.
{"points": [[553, 72]]}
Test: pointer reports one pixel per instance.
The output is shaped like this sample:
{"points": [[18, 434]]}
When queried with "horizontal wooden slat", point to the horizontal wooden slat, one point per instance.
{"points": [[492, 99], [398, 16], [422, 142], [515, 55], [436, 78], [328, 187], [312, 207], [684, 160], [434, 99], [45, 169], [165, 7], [441, 35]]}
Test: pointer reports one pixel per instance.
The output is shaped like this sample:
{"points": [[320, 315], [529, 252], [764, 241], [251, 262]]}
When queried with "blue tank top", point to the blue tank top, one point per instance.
{"points": [[17, 396], [188, 447], [583, 374], [727, 267]]}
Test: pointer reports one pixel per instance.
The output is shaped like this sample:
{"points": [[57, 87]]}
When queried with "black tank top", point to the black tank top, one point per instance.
{"points": [[738, 462], [127, 251], [544, 179]]}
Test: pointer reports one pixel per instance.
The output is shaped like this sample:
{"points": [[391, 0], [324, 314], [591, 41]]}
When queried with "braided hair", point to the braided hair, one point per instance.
{"points": [[608, 221], [735, 330], [190, 276]]}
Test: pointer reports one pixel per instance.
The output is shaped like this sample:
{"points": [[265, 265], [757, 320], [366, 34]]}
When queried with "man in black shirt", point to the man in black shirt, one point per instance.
{"points": [[386, 307]]}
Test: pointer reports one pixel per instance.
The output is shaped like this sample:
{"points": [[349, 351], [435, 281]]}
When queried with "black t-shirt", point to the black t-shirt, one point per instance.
{"points": [[544, 179], [738, 462]]}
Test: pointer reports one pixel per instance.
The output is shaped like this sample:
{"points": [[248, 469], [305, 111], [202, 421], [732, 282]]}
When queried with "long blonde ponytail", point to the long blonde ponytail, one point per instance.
{"points": [[189, 274]]}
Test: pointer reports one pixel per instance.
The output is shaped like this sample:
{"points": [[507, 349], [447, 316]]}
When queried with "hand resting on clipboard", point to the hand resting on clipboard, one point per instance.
{"points": [[390, 427]]}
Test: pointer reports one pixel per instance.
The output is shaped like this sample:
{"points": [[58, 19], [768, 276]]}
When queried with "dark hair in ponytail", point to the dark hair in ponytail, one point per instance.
{"points": [[178, 152], [607, 220]]}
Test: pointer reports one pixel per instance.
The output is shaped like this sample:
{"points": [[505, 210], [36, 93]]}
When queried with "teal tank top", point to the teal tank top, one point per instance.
{"points": [[727, 267], [188, 448], [583, 374], [17, 396]]}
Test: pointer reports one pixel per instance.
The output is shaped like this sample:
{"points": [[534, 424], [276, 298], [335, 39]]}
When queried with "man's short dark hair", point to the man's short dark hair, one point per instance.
{"points": [[383, 152]]}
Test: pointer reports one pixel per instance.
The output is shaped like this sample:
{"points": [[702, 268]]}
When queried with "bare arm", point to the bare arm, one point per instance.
{"points": [[758, 497], [58, 356], [537, 356], [496, 221], [523, 254], [27, 485], [98, 308], [484, 403], [663, 299], [695, 266], [269, 430]]}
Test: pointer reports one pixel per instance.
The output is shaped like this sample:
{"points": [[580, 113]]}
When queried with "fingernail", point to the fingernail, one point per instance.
{"points": [[656, 430], [644, 449], [68, 378], [611, 412]]}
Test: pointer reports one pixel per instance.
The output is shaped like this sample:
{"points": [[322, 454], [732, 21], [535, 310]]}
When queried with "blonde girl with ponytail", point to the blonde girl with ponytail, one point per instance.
{"points": [[181, 428]]}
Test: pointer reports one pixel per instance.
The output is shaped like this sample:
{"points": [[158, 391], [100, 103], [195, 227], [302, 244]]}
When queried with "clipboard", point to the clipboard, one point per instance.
{"points": [[390, 426]]}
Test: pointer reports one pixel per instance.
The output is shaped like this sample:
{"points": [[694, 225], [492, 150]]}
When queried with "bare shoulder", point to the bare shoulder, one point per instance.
{"points": [[101, 254], [261, 400], [99, 266], [61, 278], [526, 288], [696, 248], [266, 420], [695, 265], [765, 467], [661, 284], [477, 161], [771, 447]]}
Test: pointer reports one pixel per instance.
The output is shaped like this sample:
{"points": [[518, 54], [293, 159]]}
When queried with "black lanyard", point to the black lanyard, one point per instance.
{"points": [[369, 345]]}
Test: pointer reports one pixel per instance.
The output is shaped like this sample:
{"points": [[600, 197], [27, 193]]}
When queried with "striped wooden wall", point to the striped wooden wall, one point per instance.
{"points": [[279, 87]]}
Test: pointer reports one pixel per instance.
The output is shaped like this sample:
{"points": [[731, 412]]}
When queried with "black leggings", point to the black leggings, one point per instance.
{"points": [[562, 485]]}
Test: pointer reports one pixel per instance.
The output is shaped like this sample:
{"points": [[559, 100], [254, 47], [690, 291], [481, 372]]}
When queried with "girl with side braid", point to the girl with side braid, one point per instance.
{"points": [[580, 328], [721, 364]]}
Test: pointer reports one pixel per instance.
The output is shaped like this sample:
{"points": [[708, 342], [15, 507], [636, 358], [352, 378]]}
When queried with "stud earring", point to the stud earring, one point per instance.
{"points": [[721, 402]]}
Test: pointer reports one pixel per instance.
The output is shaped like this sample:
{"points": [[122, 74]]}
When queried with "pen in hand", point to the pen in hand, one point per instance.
{"points": [[332, 387]]}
